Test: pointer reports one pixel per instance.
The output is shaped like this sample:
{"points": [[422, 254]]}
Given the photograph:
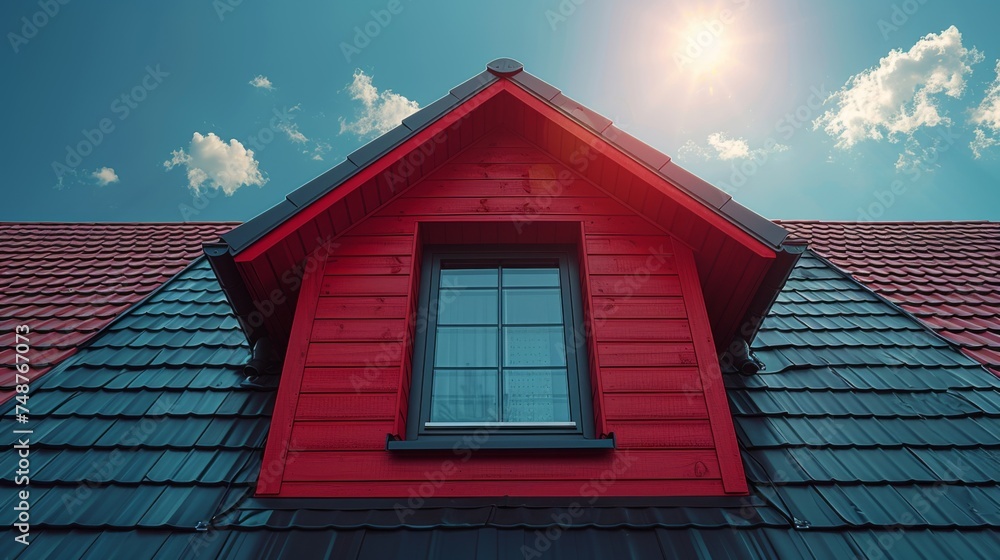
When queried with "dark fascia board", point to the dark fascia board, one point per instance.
{"points": [[379, 146], [321, 185], [755, 223], [473, 85], [431, 113], [242, 236], [235, 290], [594, 121], [535, 85], [694, 185], [638, 149], [770, 287]]}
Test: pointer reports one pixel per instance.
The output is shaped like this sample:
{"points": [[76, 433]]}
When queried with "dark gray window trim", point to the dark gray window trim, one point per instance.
{"points": [[419, 438]]}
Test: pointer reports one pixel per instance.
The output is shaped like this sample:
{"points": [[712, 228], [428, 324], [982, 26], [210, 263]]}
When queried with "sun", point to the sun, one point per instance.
{"points": [[703, 46]]}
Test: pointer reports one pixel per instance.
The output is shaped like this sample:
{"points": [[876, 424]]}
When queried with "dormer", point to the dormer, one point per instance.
{"points": [[504, 296]]}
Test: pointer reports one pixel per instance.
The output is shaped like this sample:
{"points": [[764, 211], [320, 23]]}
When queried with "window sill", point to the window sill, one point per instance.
{"points": [[515, 443]]}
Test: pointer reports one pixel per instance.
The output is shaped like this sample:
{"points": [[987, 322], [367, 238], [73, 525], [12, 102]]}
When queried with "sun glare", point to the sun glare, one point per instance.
{"points": [[704, 47]]}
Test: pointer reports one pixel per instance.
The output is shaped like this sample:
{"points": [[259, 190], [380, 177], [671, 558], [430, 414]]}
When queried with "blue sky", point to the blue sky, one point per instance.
{"points": [[859, 109]]}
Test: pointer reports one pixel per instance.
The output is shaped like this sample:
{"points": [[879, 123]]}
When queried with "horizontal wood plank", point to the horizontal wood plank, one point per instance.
{"points": [[392, 285], [645, 354], [661, 406], [494, 154], [637, 265], [627, 330], [629, 245], [662, 434], [368, 265], [354, 354], [607, 308], [354, 307], [350, 379], [345, 436], [523, 488], [359, 330], [500, 188], [346, 406], [480, 465], [527, 205], [370, 245], [650, 379], [625, 285]]}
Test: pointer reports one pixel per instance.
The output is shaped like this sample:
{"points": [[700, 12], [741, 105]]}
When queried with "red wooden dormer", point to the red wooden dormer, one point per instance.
{"points": [[504, 296]]}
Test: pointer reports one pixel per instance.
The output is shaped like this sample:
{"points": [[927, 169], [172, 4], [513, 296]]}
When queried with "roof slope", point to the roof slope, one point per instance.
{"points": [[865, 435], [68, 281], [945, 273], [149, 426]]}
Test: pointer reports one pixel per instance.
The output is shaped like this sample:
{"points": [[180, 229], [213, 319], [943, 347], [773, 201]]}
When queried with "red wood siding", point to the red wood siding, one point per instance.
{"points": [[654, 375]]}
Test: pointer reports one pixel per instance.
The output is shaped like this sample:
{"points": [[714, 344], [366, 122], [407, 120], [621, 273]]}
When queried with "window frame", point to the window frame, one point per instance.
{"points": [[496, 435]]}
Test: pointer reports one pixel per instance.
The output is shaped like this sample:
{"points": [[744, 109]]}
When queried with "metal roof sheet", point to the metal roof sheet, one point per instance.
{"points": [[68, 281], [945, 273]]}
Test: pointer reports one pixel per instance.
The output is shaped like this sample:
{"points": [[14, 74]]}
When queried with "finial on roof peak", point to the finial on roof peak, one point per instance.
{"points": [[504, 67]]}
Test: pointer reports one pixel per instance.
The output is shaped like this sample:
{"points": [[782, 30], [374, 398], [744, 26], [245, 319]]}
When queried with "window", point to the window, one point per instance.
{"points": [[496, 349]]}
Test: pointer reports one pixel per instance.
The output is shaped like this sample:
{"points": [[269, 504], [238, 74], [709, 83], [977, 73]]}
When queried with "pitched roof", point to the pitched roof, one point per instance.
{"points": [[723, 235], [68, 281], [945, 273], [864, 431], [718, 200]]}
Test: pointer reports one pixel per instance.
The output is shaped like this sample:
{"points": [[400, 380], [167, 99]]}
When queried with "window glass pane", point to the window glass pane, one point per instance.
{"points": [[532, 306], [537, 395], [533, 347], [530, 277], [466, 347], [467, 307], [469, 277], [464, 396]]}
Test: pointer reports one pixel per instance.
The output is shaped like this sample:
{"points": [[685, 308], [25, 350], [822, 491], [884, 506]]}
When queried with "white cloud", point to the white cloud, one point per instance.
{"points": [[987, 119], [982, 142], [292, 130], [725, 148], [223, 166], [901, 94], [105, 176], [382, 111], [319, 150], [262, 82]]}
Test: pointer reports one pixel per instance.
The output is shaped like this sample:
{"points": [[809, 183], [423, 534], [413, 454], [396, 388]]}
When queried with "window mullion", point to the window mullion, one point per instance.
{"points": [[500, 348]]}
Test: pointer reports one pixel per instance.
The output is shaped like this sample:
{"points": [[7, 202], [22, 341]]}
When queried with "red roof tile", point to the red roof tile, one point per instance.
{"points": [[947, 274], [68, 281]]}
